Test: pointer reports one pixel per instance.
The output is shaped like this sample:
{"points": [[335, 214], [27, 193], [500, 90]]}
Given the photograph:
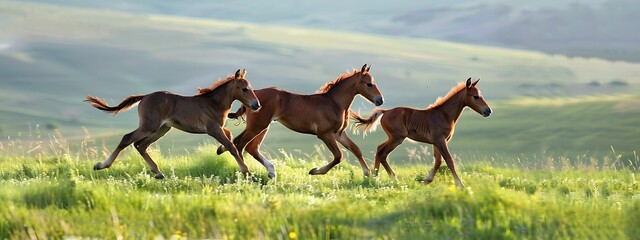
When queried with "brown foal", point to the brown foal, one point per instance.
{"points": [[434, 125], [205, 112], [324, 114]]}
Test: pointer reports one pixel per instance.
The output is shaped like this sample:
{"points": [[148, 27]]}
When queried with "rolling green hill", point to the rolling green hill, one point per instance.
{"points": [[587, 28], [52, 56]]}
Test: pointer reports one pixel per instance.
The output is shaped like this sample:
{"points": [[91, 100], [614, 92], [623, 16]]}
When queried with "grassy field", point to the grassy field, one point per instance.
{"points": [[59, 196], [557, 159]]}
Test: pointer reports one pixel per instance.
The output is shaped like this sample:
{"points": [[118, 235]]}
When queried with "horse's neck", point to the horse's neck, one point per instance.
{"points": [[220, 97], [343, 93], [453, 107]]}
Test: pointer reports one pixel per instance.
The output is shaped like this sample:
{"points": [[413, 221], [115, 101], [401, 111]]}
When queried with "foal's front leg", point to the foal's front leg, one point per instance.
{"points": [[218, 133], [444, 150], [221, 148]]}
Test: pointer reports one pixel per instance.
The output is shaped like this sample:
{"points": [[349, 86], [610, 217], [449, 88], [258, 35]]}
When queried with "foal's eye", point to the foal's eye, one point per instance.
{"points": [[245, 89], [369, 84], [476, 97]]}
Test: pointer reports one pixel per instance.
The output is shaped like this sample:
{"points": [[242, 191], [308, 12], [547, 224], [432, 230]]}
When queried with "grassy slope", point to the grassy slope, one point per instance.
{"points": [[591, 124], [560, 27], [56, 197], [71, 52]]}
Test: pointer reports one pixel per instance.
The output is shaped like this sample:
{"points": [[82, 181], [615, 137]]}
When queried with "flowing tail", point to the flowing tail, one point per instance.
{"points": [[241, 111], [127, 103], [369, 124]]}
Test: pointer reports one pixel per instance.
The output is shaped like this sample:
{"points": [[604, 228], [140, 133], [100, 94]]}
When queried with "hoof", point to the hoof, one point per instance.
{"points": [[272, 175], [255, 179], [97, 166], [247, 176], [427, 181], [221, 150], [394, 178], [315, 171], [159, 176]]}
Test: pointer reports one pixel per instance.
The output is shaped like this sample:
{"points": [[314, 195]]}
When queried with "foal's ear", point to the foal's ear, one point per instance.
{"points": [[369, 68], [364, 68], [244, 73], [237, 74], [469, 83], [475, 83]]}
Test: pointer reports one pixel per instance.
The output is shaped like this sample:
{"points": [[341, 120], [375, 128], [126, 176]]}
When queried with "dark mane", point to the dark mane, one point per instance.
{"points": [[450, 94], [327, 86], [202, 91]]}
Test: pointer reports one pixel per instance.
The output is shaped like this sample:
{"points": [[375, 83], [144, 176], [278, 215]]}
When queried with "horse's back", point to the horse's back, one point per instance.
{"points": [[405, 121], [298, 112], [398, 113], [163, 104], [158, 98], [278, 98]]}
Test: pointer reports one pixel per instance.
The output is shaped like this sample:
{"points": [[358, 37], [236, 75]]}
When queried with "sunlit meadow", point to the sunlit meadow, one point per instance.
{"points": [[51, 191]]}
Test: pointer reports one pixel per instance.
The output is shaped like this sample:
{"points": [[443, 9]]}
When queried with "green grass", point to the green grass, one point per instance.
{"points": [[58, 196]]}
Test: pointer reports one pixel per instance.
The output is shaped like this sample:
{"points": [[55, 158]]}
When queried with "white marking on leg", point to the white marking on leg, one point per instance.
{"points": [[268, 165]]}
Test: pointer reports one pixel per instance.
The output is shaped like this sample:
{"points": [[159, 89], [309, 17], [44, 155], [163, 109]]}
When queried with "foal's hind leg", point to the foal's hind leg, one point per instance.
{"points": [[383, 152], [127, 139], [396, 133], [437, 161], [332, 145], [144, 143], [253, 148], [351, 146]]}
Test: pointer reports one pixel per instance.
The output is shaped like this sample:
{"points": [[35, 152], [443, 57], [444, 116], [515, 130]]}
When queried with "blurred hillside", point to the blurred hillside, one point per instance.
{"points": [[595, 28], [52, 55]]}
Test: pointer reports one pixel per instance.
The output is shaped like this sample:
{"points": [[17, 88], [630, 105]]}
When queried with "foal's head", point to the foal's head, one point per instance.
{"points": [[475, 100], [367, 86], [243, 92]]}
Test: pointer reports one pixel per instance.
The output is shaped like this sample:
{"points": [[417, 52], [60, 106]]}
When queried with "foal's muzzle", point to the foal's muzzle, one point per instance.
{"points": [[486, 112], [255, 106], [378, 101]]}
